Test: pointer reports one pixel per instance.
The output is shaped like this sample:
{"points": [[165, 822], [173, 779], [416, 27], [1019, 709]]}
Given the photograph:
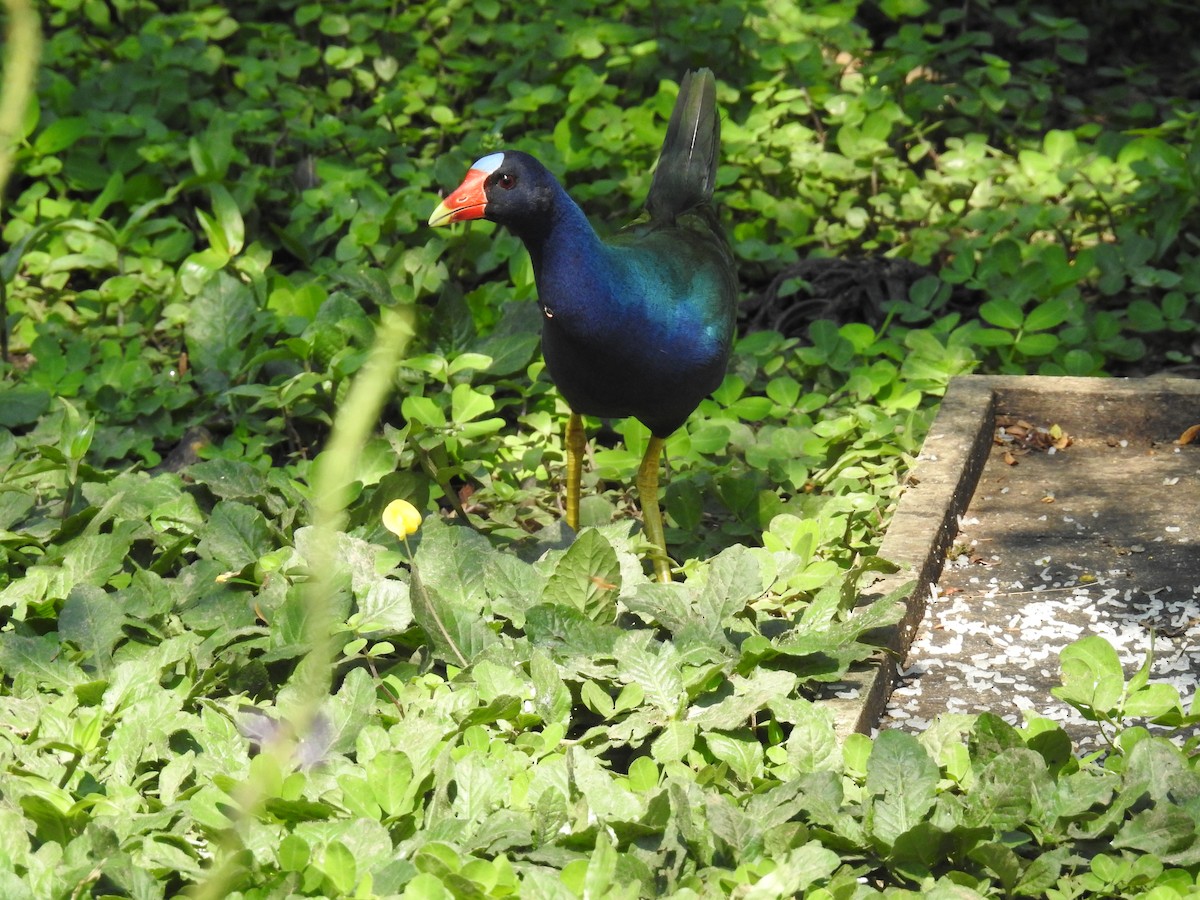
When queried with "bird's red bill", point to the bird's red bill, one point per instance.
{"points": [[467, 201]]}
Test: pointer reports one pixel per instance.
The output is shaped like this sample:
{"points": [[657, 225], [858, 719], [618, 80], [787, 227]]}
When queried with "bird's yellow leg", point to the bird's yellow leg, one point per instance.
{"points": [[576, 443], [647, 485]]}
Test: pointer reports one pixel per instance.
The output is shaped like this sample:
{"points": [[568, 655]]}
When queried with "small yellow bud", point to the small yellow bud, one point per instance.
{"points": [[401, 518]]}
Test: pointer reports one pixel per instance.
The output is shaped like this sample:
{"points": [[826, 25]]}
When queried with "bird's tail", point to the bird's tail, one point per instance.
{"points": [[687, 165]]}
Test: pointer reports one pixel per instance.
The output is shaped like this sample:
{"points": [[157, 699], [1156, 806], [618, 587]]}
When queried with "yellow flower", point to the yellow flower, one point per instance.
{"points": [[401, 518]]}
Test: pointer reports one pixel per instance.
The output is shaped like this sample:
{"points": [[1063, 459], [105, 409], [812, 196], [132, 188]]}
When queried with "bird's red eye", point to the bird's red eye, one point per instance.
{"points": [[506, 181]]}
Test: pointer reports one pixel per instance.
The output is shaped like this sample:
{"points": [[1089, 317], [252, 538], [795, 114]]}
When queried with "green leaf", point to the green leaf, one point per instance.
{"points": [[812, 745], [235, 535], [674, 742], [1160, 830], [455, 631], [91, 559], [22, 404], [901, 782], [751, 694], [1152, 701], [1002, 313], [220, 330], [1093, 680], [37, 661], [551, 696], [1047, 314], [733, 581], [390, 778], [1037, 344], [587, 577], [565, 630], [1012, 790], [228, 219], [466, 403], [424, 410], [1001, 860], [741, 751], [655, 667], [59, 135], [92, 620], [453, 560]]}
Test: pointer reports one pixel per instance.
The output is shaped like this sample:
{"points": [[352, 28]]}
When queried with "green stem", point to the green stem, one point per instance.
{"points": [[333, 473], [23, 47]]}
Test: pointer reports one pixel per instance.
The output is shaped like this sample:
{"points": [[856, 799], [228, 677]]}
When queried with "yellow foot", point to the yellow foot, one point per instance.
{"points": [[647, 485], [576, 443]]}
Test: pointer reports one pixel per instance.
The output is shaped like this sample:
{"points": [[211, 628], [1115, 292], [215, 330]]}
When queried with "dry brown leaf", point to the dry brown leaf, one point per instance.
{"points": [[1188, 436]]}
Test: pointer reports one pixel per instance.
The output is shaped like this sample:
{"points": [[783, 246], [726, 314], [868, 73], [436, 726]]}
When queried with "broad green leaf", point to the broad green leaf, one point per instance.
{"points": [[741, 750], [1160, 830], [751, 694], [564, 630], [1037, 344], [674, 743], [386, 607], [812, 745], [1047, 314], [36, 662], [453, 560], [92, 620], [655, 667], [466, 404], [605, 797], [740, 831], [22, 404], [551, 696], [220, 330], [1000, 860], [798, 870], [60, 134], [424, 410], [1013, 789], [901, 782], [1093, 680], [733, 581], [587, 577], [453, 629], [235, 535], [92, 559], [601, 870], [1002, 313], [1152, 701]]}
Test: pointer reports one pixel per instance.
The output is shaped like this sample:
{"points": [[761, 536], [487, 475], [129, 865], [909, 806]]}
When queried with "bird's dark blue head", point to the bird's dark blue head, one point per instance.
{"points": [[510, 188]]}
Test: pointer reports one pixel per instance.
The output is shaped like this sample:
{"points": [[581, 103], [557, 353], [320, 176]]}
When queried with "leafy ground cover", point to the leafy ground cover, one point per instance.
{"points": [[217, 212]]}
